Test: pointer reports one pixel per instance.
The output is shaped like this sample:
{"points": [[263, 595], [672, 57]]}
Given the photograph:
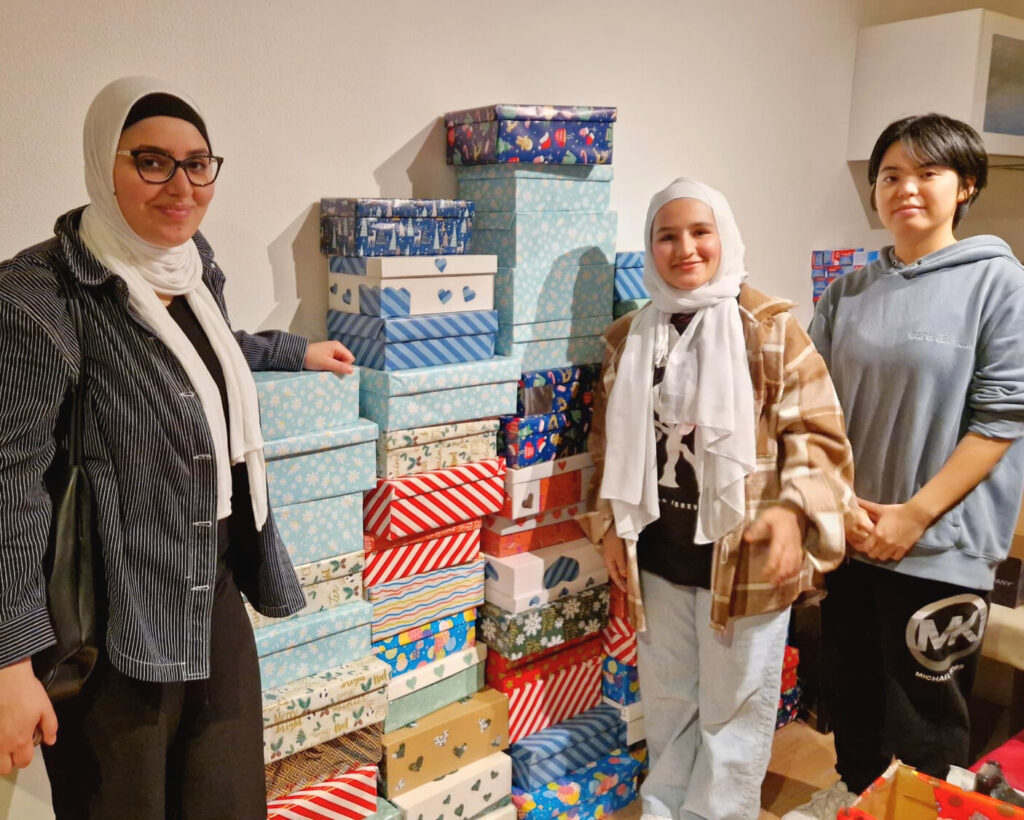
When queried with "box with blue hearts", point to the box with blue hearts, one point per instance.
{"points": [[305, 401], [394, 227], [529, 580], [536, 188]]}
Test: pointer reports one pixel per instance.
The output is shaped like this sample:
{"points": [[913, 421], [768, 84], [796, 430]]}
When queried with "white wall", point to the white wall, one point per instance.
{"points": [[334, 98]]}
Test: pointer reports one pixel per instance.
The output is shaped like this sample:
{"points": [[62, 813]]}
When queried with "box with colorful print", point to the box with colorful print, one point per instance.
{"points": [[597, 788], [394, 227], [536, 188], [443, 741], [322, 464], [426, 396], [503, 536], [306, 401], [324, 761], [548, 485], [400, 507], [411, 285], [539, 243], [620, 640], [528, 440], [296, 649], [498, 667], [517, 583], [557, 390], [314, 531], [553, 134], [565, 290], [326, 585], [414, 705], [620, 682], [428, 643], [407, 452], [472, 791], [355, 792], [415, 341], [517, 635], [390, 561]]}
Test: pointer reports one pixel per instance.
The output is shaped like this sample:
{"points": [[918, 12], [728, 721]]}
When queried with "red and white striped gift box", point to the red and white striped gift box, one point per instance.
{"points": [[619, 640], [353, 795], [403, 506], [441, 549]]}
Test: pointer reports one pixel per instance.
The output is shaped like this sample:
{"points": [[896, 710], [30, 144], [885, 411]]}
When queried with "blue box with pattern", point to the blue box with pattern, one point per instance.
{"points": [[541, 241], [558, 344], [315, 530], [566, 290], [305, 401], [536, 188], [394, 227]]}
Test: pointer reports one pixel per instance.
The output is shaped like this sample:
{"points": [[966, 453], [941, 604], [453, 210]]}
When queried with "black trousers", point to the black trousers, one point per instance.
{"points": [[901, 655], [148, 751]]}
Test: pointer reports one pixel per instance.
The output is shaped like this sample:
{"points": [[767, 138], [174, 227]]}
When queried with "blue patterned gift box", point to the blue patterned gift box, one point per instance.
{"points": [[540, 242], [597, 788], [566, 290], [315, 530], [536, 188], [323, 464], [394, 227], [620, 681], [558, 344], [431, 642], [293, 403], [526, 440], [629, 259], [556, 390], [559, 134], [629, 284], [425, 396], [296, 649]]}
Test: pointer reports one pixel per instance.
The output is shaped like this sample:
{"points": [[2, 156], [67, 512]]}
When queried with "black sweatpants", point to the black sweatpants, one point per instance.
{"points": [[901, 655], [146, 751]]}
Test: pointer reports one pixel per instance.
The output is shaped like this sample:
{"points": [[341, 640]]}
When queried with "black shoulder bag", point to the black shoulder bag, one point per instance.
{"points": [[72, 562]]}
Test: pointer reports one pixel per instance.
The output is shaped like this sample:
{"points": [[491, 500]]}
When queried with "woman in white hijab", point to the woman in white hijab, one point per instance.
{"points": [[723, 481], [169, 721]]}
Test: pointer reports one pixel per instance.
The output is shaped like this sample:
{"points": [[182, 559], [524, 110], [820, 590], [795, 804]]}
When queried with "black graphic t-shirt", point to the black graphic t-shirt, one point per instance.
{"points": [[666, 546]]}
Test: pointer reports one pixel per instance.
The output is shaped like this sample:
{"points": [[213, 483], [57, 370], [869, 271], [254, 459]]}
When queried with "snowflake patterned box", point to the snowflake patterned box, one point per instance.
{"points": [[473, 791], [538, 243], [428, 643], [526, 440], [326, 760], [595, 789], [443, 741], [526, 581], [536, 188], [351, 795], [403, 399], [321, 465], [313, 531], [404, 604], [400, 507], [557, 390], [296, 649], [305, 401], [566, 290], [395, 560], [548, 485], [411, 285], [620, 682], [441, 693], [512, 133], [407, 452], [503, 536], [517, 635], [394, 227], [578, 339]]}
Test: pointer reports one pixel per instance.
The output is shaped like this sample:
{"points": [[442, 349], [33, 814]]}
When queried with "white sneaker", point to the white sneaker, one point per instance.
{"points": [[823, 804]]}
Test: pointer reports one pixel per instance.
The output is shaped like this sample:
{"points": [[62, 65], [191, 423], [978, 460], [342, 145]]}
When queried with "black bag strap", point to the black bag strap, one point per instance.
{"points": [[76, 432]]}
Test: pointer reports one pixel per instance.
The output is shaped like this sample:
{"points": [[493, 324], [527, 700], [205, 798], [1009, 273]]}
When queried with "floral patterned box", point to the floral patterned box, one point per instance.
{"points": [[499, 667], [620, 682], [516, 635], [337, 566], [296, 649], [305, 401], [321, 465], [426, 396], [526, 440], [292, 736], [443, 741], [475, 790], [429, 673], [557, 390], [536, 188], [537, 243], [565, 290], [527, 581], [449, 547], [597, 788], [350, 795], [394, 227], [441, 693], [562, 134], [326, 760], [425, 644], [408, 452], [548, 485], [313, 531], [319, 597], [503, 536]]}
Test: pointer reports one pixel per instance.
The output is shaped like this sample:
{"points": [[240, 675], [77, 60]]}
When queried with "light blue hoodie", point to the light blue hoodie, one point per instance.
{"points": [[921, 355]]}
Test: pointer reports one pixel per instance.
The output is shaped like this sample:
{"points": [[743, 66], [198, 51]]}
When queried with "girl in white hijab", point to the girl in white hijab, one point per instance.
{"points": [[722, 485]]}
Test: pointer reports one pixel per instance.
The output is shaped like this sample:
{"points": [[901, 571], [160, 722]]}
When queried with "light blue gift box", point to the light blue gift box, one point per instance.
{"points": [[539, 242], [404, 710], [402, 399], [314, 530], [296, 649], [305, 401], [322, 465], [563, 291], [629, 284], [532, 188], [543, 345]]}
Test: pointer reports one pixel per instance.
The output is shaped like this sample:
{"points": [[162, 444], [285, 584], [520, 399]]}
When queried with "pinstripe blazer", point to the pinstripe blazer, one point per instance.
{"points": [[148, 455]]}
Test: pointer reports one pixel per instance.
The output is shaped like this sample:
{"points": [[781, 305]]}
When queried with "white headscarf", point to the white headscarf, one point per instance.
{"points": [[706, 386], [149, 269]]}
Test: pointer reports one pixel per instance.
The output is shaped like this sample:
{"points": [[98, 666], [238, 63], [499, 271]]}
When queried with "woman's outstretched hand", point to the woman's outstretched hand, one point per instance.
{"points": [[333, 356]]}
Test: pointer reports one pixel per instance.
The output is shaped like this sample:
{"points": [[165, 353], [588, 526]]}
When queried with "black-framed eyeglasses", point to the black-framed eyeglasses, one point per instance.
{"points": [[156, 167]]}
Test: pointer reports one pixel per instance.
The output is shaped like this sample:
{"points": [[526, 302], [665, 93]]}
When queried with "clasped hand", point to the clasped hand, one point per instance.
{"points": [[886, 532]]}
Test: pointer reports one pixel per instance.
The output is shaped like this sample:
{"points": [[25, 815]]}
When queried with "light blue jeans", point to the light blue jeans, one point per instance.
{"points": [[710, 701]]}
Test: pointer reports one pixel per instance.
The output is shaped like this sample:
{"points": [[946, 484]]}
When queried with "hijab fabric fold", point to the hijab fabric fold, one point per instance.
{"points": [[706, 386], [148, 269]]}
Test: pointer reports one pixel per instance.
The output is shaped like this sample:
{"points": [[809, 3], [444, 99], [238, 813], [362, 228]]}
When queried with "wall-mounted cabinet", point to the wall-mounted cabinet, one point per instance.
{"points": [[968, 64]]}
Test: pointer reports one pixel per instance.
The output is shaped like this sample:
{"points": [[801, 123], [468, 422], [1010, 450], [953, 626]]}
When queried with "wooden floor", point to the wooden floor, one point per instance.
{"points": [[802, 762]]}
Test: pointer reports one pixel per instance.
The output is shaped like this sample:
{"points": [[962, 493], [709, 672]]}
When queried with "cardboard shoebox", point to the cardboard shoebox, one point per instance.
{"points": [[388, 561], [350, 795], [566, 289], [404, 399], [557, 390], [557, 344], [407, 452], [597, 788], [313, 531], [305, 401], [425, 644], [527, 581], [526, 440], [504, 536], [394, 227], [415, 341], [404, 506], [325, 760], [547, 485], [532, 188], [511, 133], [405, 286], [417, 704], [478, 790], [297, 649], [327, 583]]}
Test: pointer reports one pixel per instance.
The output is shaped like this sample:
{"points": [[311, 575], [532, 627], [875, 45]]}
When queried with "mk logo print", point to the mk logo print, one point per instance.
{"points": [[942, 632]]}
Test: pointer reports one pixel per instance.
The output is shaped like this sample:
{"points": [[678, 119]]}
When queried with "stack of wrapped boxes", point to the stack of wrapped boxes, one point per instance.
{"points": [[419, 316], [789, 697], [630, 292], [831, 264], [324, 698]]}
